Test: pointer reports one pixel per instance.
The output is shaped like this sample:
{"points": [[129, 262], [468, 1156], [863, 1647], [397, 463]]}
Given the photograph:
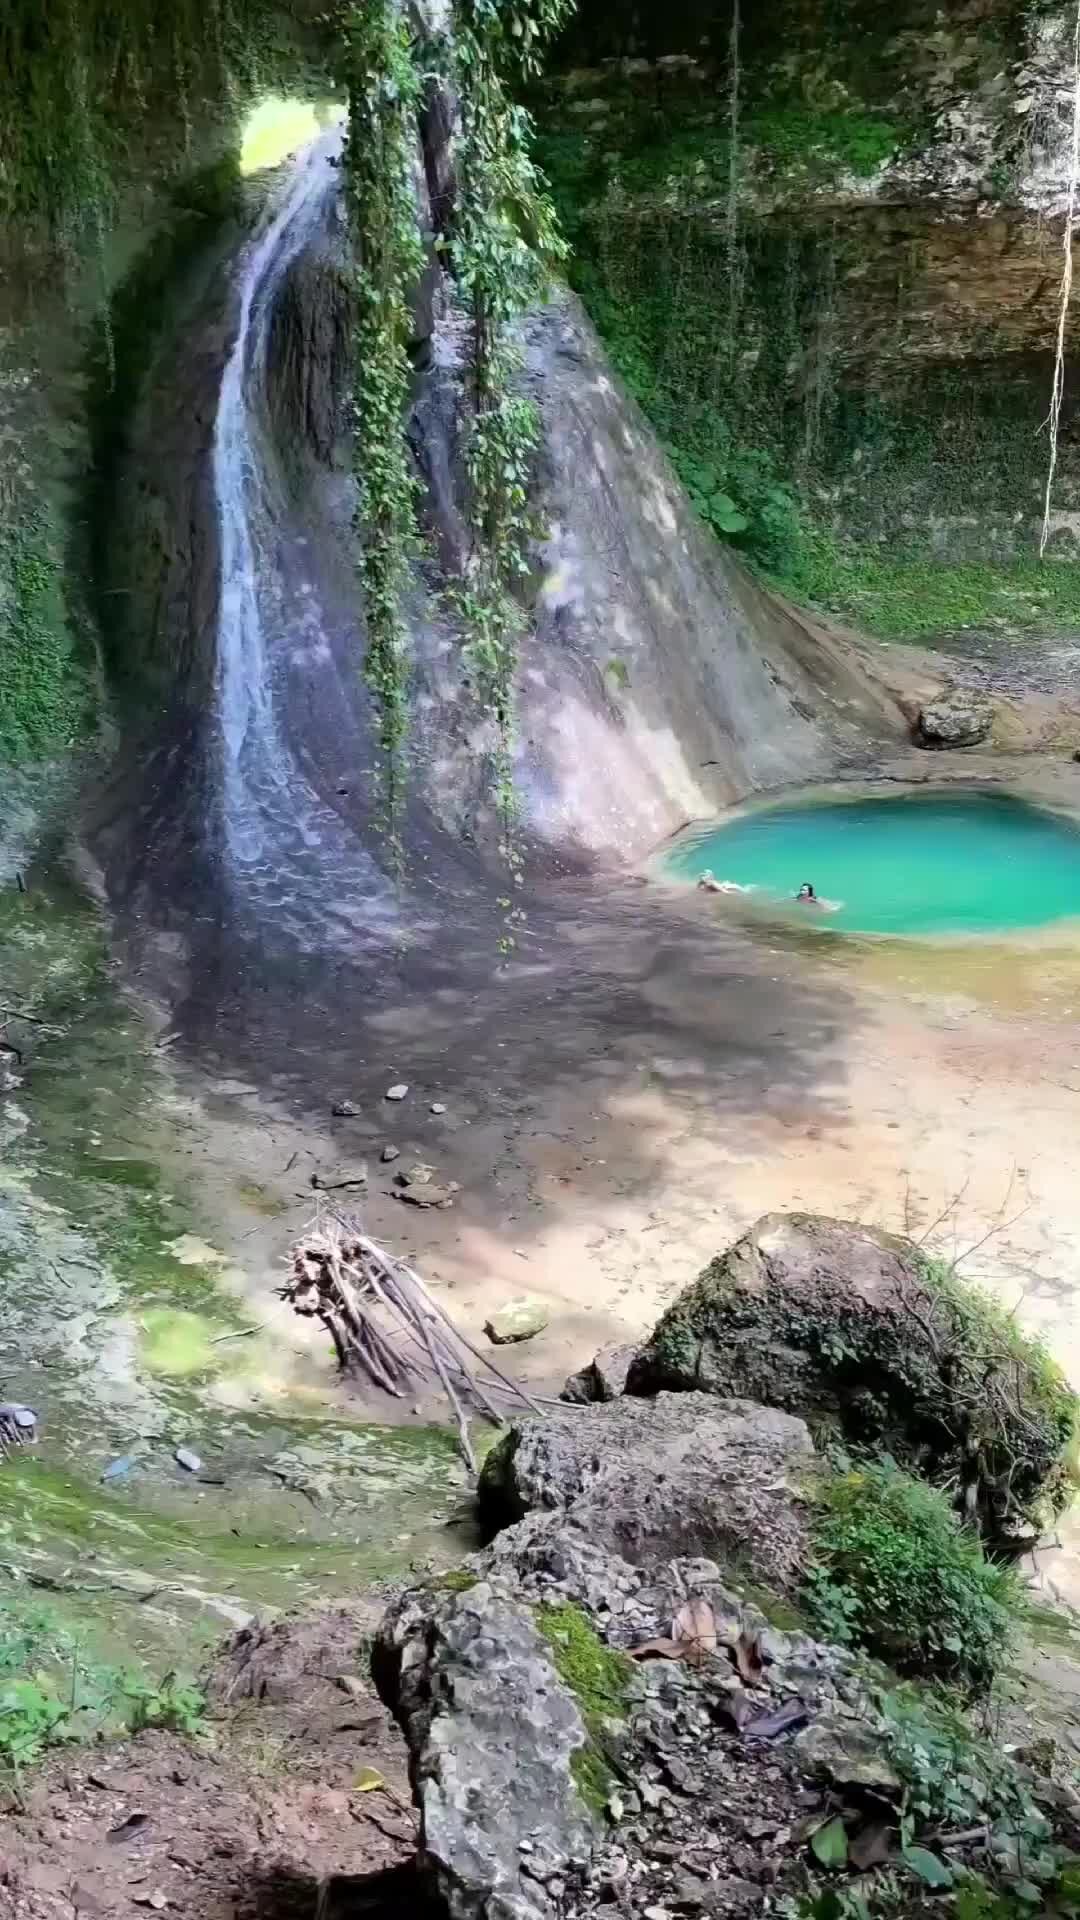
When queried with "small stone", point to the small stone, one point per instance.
{"points": [[398, 1091], [437, 1107], [190, 1462], [847, 1753], [344, 1110], [425, 1196], [390, 1154], [520, 1319]]}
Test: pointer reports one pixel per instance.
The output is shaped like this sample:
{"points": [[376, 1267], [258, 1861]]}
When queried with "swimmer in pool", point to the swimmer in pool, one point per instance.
{"points": [[806, 897], [710, 884]]}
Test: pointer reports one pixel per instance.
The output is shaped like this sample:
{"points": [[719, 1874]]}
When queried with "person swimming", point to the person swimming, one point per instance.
{"points": [[807, 895]]}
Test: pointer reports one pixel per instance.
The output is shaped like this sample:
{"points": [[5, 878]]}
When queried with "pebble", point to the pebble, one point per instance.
{"points": [[397, 1092], [190, 1462], [389, 1154], [437, 1107], [116, 1469], [344, 1110]]}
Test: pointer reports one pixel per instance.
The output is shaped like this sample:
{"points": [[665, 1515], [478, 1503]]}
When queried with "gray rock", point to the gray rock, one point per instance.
{"points": [[491, 1733], [651, 1479], [841, 1324], [603, 1379], [848, 1753], [190, 1462], [437, 1107], [344, 1110], [390, 1154], [520, 1319], [397, 1092], [425, 1195], [955, 721]]}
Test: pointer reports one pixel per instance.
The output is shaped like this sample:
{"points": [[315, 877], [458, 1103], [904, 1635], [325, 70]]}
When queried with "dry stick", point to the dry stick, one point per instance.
{"points": [[419, 1318], [448, 1389], [361, 1329], [519, 1392]]}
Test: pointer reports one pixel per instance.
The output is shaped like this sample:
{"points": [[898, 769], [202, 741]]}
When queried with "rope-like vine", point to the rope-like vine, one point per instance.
{"points": [[504, 242], [383, 91]]}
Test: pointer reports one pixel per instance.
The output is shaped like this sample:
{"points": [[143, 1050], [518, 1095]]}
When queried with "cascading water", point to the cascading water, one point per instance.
{"points": [[283, 843]]}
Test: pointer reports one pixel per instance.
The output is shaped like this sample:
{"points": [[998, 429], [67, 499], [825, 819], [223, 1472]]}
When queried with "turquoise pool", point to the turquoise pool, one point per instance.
{"points": [[914, 863]]}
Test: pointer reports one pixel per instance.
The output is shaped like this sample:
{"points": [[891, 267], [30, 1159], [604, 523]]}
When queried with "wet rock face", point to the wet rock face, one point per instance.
{"points": [[491, 1732], [648, 1479]]}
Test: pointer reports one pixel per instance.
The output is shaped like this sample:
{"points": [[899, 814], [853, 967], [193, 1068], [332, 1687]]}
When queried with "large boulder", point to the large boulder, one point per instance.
{"points": [[492, 1733], [858, 1333], [681, 1474], [956, 720]]}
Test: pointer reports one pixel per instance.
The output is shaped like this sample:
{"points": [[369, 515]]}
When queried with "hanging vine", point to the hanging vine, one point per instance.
{"points": [[504, 243], [383, 92]]}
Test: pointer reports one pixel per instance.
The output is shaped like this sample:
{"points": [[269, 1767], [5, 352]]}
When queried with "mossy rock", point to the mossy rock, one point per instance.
{"points": [[874, 1345]]}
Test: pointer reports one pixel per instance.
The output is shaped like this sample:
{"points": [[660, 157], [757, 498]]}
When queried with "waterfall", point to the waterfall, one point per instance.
{"points": [[284, 846]]}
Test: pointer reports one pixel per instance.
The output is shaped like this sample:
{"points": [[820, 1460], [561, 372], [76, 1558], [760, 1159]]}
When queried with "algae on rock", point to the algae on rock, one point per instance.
{"points": [[854, 1330]]}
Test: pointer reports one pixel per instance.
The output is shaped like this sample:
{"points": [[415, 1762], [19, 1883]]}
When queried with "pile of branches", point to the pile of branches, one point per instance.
{"points": [[384, 1323]]}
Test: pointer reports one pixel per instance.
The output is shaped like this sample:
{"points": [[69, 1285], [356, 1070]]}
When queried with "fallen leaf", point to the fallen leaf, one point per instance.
{"points": [[694, 1628], [768, 1726], [661, 1649], [129, 1825], [932, 1871], [872, 1845], [829, 1844], [747, 1651], [368, 1780]]}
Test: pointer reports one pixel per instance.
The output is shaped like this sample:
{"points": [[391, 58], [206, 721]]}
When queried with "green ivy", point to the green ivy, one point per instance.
{"points": [[504, 243], [383, 91], [43, 693]]}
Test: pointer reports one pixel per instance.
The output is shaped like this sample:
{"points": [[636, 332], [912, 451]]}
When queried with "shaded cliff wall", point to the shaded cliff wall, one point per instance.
{"points": [[842, 321]]}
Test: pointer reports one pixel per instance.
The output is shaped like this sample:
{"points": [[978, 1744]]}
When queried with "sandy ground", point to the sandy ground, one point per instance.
{"points": [[637, 1093]]}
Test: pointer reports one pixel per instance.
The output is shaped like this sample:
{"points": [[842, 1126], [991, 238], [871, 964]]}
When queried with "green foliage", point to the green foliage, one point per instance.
{"points": [[43, 691], [504, 243], [383, 87], [51, 1694], [77, 75], [174, 1705], [894, 1572]]}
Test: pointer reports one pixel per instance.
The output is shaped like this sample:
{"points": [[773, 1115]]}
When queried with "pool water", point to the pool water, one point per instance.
{"points": [[942, 863]]}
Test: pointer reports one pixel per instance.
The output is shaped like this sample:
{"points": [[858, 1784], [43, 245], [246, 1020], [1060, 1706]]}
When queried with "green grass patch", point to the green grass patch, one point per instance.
{"points": [[896, 1573], [913, 595]]}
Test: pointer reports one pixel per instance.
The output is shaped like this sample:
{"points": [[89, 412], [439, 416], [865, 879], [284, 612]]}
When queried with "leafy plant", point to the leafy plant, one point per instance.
{"points": [[896, 1573], [383, 87], [504, 242], [32, 1717], [174, 1704]]}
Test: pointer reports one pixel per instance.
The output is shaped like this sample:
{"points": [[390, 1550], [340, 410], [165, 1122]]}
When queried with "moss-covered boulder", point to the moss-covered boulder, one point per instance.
{"points": [[867, 1340]]}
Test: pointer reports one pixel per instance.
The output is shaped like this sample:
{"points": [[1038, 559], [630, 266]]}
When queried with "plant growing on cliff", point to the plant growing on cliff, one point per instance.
{"points": [[383, 91], [505, 240]]}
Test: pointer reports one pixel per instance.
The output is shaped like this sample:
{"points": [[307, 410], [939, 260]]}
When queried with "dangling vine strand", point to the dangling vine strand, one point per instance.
{"points": [[505, 242], [383, 93]]}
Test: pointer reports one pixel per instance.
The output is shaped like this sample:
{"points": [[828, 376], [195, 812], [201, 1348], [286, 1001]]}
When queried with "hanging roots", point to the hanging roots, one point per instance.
{"points": [[385, 1324], [1058, 389]]}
